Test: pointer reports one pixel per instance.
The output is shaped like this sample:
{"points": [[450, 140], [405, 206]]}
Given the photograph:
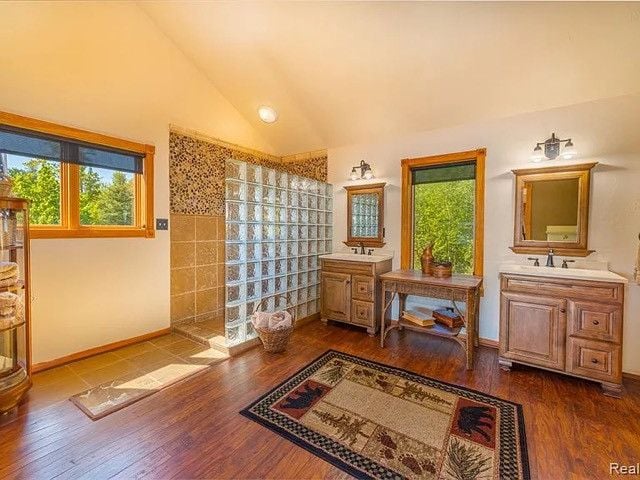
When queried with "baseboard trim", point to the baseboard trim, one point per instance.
{"points": [[487, 342], [484, 342], [40, 367], [631, 376], [305, 320]]}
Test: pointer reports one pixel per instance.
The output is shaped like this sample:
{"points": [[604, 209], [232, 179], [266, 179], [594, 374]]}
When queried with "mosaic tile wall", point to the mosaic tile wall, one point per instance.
{"points": [[196, 172], [197, 223]]}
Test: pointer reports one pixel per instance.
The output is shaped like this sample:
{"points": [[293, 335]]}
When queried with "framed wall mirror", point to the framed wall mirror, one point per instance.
{"points": [[365, 215], [552, 210]]}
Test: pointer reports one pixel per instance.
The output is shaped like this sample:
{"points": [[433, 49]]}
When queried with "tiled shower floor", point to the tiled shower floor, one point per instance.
{"points": [[208, 332], [60, 383]]}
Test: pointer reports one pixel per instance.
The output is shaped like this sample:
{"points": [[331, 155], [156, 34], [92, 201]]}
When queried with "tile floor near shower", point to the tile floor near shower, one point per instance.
{"points": [[170, 354]]}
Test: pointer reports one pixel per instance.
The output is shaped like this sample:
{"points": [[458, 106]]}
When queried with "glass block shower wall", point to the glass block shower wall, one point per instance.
{"points": [[276, 226]]}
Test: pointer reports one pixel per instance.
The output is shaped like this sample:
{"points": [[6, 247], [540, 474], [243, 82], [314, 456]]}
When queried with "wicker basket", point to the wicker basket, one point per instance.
{"points": [[275, 341]]}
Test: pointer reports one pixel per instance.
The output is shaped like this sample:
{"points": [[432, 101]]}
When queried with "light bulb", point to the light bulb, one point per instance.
{"points": [[267, 114], [368, 175], [569, 151], [354, 175], [537, 155]]}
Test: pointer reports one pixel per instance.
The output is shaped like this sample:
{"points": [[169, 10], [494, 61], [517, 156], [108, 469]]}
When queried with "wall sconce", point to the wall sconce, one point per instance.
{"points": [[552, 149], [365, 171]]}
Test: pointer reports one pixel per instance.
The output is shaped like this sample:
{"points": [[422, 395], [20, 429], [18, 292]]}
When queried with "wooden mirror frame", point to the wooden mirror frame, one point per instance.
{"points": [[536, 247], [375, 188]]}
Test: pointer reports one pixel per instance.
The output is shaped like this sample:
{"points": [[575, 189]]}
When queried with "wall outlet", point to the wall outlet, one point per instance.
{"points": [[162, 224]]}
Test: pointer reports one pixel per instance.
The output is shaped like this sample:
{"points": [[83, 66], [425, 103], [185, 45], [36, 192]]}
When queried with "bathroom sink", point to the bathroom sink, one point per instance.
{"points": [[574, 273], [355, 257]]}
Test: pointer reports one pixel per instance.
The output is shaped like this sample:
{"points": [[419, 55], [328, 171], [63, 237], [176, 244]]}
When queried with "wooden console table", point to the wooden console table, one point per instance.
{"points": [[457, 288]]}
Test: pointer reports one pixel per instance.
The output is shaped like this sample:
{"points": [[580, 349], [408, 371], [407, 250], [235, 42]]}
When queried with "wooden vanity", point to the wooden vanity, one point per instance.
{"points": [[350, 289], [568, 325]]}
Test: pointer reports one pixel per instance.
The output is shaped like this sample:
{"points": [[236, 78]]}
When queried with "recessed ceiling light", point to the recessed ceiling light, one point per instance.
{"points": [[267, 114]]}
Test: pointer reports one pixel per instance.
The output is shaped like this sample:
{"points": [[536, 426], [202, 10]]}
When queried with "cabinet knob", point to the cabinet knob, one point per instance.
{"points": [[596, 322], [594, 360], [563, 310]]}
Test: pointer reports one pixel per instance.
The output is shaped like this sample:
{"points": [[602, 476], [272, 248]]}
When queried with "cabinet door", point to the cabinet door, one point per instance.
{"points": [[336, 296], [532, 329]]}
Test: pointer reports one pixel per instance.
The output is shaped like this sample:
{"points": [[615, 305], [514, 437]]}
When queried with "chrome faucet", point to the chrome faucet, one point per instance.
{"points": [[550, 259], [361, 245]]}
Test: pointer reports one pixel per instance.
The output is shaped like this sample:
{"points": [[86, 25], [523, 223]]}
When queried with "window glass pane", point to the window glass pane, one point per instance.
{"points": [[444, 213], [107, 197], [37, 180]]}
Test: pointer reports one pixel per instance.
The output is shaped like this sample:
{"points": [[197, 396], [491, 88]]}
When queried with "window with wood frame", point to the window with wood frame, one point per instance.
{"points": [[443, 204], [80, 184]]}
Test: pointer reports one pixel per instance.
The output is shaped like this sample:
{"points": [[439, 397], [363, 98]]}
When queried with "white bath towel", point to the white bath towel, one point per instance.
{"points": [[260, 319], [8, 270], [8, 299], [280, 320]]}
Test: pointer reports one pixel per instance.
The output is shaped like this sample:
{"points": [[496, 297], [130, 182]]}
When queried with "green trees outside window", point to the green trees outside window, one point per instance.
{"points": [[39, 181], [444, 216], [104, 201], [106, 197]]}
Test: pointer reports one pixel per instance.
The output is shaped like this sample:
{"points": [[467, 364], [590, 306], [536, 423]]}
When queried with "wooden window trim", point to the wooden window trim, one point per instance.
{"points": [[408, 164], [70, 185]]}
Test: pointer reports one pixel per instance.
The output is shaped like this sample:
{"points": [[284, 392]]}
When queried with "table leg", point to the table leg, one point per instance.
{"points": [[402, 300], [471, 329]]}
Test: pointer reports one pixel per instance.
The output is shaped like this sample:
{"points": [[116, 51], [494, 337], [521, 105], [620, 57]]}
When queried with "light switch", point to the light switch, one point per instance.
{"points": [[162, 224]]}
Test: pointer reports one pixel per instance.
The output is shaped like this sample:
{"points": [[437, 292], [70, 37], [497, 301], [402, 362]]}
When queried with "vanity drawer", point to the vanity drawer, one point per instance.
{"points": [[362, 288], [344, 266], [362, 313], [594, 359], [612, 292], [595, 321]]}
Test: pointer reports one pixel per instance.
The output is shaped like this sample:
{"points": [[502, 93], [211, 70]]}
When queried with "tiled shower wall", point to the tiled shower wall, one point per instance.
{"points": [[197, 267], [197, 225]]}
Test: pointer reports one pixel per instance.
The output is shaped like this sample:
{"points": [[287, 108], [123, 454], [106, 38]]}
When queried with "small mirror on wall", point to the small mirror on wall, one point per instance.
{"points": [[365, 215], [552, 210]]}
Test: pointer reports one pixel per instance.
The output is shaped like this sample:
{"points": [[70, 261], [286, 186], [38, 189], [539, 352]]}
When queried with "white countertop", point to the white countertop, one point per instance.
{"points": [[356, 257], [557, 272]]}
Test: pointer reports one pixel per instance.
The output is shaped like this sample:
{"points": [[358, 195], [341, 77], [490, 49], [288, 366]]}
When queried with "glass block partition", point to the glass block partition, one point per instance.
{"points": [[276, 226]]}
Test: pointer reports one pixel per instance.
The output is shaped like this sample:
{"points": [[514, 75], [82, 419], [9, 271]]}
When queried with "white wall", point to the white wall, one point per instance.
{"points": [[105, 67], [603, 131]]}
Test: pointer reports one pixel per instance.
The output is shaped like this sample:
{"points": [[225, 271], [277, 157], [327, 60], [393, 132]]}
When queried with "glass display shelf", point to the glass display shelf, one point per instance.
{"points": [[15, 323]]}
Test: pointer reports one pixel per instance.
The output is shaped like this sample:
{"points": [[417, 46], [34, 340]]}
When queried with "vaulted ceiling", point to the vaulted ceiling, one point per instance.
{"points": [[350, 72]]}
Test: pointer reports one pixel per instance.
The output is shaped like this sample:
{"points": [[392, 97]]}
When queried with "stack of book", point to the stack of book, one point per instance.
{"points": [[420, 316], [448, 318]]}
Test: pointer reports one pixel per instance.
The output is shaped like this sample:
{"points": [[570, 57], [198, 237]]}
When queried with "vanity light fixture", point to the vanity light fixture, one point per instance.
{"points": [[552, 149], [267, 114], [365, 171]]}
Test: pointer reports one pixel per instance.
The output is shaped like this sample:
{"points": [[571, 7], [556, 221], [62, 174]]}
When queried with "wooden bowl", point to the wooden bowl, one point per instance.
{"points": [[441, 270]]}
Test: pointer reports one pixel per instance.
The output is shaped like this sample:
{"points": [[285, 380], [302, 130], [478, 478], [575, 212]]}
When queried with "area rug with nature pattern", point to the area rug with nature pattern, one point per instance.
{"points": [[376, 421]]}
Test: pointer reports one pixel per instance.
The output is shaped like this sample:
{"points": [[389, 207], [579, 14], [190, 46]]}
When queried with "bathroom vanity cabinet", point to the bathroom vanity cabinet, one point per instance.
{"points": [[350, 289], [568, 325]]}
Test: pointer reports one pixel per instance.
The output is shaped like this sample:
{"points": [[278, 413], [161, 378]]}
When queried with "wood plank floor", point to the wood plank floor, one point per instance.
{"points": [[193, 430]]}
